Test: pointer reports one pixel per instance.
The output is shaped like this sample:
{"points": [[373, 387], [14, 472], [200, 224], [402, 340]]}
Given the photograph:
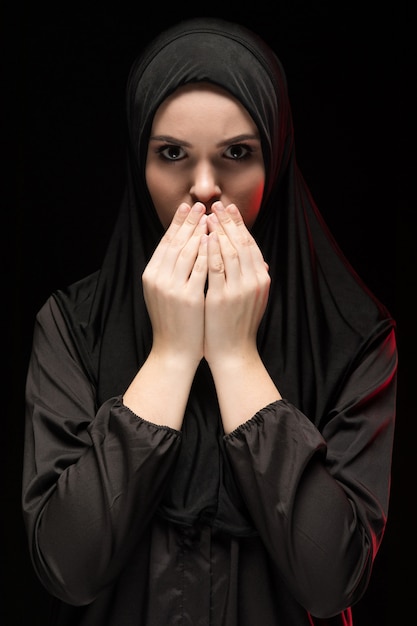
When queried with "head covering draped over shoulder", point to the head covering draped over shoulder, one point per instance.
{"points": [[319, 315]]}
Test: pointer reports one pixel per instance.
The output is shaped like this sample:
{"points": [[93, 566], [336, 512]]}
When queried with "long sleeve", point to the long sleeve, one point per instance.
{"points": [[92, 480], [319, 498]]}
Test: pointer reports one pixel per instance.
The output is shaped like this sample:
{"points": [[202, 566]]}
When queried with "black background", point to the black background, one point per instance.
{"points": [[64, 71]]}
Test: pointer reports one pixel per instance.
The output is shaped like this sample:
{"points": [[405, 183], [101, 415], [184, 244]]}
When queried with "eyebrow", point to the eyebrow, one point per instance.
{"points": [[226, 142]]}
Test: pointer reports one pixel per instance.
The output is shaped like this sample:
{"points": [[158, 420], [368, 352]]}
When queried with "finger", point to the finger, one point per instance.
{"points": [[178, 232], [236, 241], [187, 257], [199, 270], [178, 237], [233, 224], [216, 268], [184, 222], [177, 221], [229, 254], [250, 255]]}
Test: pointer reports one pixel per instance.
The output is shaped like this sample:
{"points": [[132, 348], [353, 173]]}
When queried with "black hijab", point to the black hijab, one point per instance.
{"points": [[319, 313]]}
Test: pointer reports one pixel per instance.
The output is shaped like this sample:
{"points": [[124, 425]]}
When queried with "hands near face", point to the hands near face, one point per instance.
{"points": [[238, 289], [195, 248], [190, 323], [173, 283]]}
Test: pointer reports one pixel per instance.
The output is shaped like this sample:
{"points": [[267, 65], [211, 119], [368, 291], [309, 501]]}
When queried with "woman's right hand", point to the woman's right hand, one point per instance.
{"points": [[173, 284]]}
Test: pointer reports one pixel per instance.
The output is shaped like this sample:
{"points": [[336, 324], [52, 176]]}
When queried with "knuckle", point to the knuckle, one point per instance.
{"points": [[217, 265], [246, 240]]}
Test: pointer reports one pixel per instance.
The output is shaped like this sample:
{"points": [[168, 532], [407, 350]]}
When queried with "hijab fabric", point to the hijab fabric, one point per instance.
{"points": [[319, 315]]}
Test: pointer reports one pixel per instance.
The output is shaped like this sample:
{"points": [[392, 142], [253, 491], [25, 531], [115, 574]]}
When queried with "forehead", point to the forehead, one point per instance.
{"points": [[199, 103]]}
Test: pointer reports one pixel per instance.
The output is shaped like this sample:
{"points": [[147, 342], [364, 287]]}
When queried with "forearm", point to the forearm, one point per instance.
{"points": [[160, 390], [243, 388]]}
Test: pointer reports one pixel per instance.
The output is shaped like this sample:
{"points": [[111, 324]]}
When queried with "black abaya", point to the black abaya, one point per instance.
{"points": [[133, 523]]}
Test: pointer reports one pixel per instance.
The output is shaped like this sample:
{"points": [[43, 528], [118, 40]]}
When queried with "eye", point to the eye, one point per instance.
{"points": [[238, 152], [171, 152]]}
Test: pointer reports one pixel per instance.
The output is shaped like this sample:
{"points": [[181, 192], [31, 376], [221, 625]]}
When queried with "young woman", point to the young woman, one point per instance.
{"points": [[210, 415]]}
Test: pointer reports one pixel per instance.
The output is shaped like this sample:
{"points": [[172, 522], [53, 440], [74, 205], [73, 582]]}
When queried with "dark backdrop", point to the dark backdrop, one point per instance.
{"points": [[63, 136]]}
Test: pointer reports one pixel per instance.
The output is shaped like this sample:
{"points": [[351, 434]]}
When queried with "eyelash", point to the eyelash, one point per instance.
{"points": [[163, 151]]}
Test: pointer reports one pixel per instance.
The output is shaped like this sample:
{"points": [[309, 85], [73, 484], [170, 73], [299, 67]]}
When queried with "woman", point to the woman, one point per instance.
{"points": [[210, 416]]}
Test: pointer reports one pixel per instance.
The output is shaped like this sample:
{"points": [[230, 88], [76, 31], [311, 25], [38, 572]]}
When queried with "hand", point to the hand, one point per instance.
{"points": [[173, 283], [238, 288]]}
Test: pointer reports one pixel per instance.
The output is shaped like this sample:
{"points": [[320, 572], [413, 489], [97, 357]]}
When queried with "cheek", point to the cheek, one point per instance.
{"points": [[161, 193], [154, 182], [257, 194], [250, 197]]}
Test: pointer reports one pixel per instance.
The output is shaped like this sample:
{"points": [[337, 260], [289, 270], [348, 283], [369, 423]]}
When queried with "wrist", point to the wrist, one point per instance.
{"points": [[243, 387], [234, 361], [176, 361]]}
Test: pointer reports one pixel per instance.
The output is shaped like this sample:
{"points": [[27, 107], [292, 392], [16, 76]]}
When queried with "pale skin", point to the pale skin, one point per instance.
{"points": [[205, 173]]}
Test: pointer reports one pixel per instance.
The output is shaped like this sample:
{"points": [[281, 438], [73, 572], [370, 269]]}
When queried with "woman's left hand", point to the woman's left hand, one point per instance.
{"points": [[238, 287]]}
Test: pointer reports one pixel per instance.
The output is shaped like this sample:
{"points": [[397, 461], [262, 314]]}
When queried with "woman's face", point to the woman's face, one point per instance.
{"points": [[204, 146]]}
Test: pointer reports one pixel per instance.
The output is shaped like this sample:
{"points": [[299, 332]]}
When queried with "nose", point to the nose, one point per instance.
{"points": [[205, 186]]}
